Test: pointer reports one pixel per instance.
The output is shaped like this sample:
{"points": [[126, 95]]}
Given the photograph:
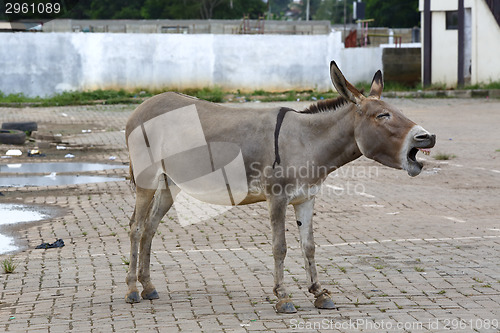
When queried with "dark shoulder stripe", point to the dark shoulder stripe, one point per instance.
{"points": [[279, 121]]}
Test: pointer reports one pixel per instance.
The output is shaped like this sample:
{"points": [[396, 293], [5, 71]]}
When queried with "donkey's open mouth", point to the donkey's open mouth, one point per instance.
{"points": [[419, 139], [412, 155]]}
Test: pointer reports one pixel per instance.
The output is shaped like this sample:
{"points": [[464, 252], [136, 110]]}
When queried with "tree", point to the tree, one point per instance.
{"points": [[333, 10], [393, 13], [171, 9], [278, 7], [253, 8], [313, 8], [207, 8], [167, 9], [81, 11], [116, 9]]}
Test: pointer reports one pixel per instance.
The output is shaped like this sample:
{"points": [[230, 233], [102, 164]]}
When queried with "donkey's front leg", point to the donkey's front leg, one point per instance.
{"points": [[277, 210], [304, 213]]}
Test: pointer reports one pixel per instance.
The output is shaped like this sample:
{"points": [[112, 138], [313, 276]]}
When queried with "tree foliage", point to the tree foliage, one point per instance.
{"points": [[167, 9], [333, 10], [279, 7], [393, 13], [387, 13], [313, 8]]}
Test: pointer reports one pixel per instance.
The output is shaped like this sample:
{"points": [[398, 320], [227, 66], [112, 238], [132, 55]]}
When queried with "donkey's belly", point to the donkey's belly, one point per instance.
{"points": [[219, 187], [217, 197]]}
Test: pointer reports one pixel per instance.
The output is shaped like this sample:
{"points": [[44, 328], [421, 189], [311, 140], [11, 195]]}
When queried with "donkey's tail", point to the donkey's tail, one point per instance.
{"points": [[131, 174]]}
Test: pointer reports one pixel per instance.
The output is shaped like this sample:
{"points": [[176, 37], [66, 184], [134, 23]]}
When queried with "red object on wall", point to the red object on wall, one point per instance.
{"points": [[351, 39]]}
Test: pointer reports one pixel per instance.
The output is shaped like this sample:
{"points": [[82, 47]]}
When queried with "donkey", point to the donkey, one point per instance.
{"points": [[227, 156]]}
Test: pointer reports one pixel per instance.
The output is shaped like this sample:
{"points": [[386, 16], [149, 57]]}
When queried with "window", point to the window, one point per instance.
{"points": [[452, 20]]}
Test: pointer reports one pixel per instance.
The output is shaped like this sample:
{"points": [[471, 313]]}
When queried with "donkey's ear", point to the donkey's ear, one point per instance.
{"points": [[345, 89], [377, 85]]}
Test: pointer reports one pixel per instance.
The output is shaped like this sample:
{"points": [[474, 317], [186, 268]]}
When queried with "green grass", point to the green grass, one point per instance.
{"points": [[444, 156], [490, 85], [73, 98], [8, 266], [213, 94]]}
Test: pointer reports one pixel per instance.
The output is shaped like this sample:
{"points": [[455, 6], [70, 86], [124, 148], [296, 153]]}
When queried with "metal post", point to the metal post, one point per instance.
{"points": [[307, 10], [427, 43], [461, 42]]}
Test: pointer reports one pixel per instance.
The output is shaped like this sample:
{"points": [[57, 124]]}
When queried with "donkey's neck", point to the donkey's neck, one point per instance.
{"points": [[328, 136]]}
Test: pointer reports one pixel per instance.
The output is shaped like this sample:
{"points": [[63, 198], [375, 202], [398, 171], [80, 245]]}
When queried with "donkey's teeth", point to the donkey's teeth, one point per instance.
{"points": [[426, 151]]}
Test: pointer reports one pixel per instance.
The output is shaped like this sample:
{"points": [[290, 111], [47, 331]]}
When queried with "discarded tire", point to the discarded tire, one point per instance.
{"points": [[25, 126], [12, 137]]}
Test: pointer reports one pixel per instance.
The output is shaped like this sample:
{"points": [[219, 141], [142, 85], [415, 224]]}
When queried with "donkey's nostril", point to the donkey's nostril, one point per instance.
{"points": [[422, 137]]}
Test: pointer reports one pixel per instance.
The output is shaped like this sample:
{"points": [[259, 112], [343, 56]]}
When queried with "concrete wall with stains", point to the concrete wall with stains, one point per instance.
{"points": [[42, 64]]}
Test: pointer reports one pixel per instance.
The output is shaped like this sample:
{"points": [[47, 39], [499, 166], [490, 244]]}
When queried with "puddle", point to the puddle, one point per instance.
{"points": [[53, 177], [57, 167], [7, 244], [53, 180], [13, 214]]}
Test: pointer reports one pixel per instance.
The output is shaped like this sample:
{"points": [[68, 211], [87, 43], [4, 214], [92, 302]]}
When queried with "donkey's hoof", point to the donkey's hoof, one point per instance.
{"points": [[324, 302], [151, 295], [285, 306], [132, 297]]}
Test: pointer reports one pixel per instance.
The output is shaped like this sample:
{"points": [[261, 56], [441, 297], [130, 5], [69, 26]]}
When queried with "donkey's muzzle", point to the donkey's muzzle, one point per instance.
{"points": [[424, 140], [418, 138]]}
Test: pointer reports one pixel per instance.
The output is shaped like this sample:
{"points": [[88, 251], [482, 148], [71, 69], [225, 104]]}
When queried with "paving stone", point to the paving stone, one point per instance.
{"points": [[418, 250]]}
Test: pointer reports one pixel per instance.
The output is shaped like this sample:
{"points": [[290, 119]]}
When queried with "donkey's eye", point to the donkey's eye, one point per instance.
{"points": [[384, 115]]}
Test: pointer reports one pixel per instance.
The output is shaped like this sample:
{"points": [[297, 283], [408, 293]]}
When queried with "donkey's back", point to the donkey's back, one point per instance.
{"points": [[207, 113]]}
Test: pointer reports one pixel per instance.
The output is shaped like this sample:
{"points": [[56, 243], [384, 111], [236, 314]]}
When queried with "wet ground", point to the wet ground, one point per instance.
{"points": [[19, 216], [56, 167], [404, 254]]}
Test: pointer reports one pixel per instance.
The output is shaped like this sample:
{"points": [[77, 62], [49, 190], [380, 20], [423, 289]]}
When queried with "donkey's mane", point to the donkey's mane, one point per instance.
{"points": [[326, 106]]}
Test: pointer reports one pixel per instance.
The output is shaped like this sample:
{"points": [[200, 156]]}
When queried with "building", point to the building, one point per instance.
{"points": [[244, 26], [461, 41]]}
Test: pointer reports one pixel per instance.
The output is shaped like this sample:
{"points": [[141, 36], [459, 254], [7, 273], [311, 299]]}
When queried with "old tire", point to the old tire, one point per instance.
{"points": [[12, 137], [25, 126]]}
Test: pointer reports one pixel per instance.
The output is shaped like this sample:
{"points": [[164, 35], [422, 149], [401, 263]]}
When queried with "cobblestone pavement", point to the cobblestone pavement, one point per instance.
{"points": [[398, 253]]}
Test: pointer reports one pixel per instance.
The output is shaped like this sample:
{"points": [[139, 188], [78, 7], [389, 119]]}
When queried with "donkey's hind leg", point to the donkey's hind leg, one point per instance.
{"points": [[137, 222], [162, 201]]}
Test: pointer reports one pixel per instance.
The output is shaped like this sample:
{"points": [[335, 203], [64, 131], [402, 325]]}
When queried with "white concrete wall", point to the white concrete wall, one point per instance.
{"points": [[444, 55], [46, 63], [485, 43], [360, 64]]}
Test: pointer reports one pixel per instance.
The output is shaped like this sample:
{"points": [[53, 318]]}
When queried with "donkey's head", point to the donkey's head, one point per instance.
{"points": [[382, 132]]}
